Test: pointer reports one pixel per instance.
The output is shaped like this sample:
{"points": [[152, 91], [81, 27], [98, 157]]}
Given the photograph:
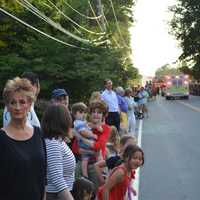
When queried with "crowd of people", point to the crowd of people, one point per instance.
{"points": [[78, 152]]}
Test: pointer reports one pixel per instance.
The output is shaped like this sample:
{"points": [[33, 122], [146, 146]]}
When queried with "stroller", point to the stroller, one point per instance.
{"points": [[139, 114]]}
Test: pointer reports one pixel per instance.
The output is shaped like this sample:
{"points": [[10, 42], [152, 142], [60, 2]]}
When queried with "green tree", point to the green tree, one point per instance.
{"points": [[79, 71], [185, 26], [166, 70]]}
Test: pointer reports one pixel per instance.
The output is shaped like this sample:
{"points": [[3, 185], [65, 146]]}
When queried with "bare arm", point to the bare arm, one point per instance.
{"points": [[87, 134], [113, 180], [66, 195], [99, 168], [44, 197], [84, 151], [88, 142]]}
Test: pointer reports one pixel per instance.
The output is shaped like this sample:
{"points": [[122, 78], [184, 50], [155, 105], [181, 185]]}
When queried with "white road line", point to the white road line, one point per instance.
{"points": [[137, 175], [140, 133], [190, 106]]}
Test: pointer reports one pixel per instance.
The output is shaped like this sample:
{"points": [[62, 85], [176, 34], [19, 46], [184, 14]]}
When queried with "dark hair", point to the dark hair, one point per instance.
{"points": [[81, 185], [80, 106], [106, 80], [130, 150], [32, 77], [56, 121], [98, 104]]}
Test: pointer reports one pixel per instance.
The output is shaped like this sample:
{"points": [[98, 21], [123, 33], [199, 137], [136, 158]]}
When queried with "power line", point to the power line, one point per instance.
{"points": [[117, 24], [106, 21], [87, 17], [35, 11], [95, 16], [52, 23], [39, 31], [68, 18]]}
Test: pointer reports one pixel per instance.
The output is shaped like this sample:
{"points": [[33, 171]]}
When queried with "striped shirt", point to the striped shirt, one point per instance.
{"points": [[60, 166]]}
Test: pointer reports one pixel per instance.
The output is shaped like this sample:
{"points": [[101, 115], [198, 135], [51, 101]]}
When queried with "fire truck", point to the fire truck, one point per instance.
{"points": [[176, 87]]}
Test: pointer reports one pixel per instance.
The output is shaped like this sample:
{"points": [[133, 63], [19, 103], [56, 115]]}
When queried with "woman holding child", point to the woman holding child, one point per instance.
{"points": [[97, 112]]}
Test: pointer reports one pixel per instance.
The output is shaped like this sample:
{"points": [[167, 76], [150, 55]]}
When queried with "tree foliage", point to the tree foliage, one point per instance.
{"points": [[166, 70], [79, 70], [185, 26]]}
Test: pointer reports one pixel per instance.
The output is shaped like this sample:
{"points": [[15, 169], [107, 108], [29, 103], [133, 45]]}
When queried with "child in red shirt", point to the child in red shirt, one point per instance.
{"points": [[120, 178]]}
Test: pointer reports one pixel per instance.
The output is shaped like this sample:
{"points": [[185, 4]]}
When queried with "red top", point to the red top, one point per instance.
{"points": [[103, 136], [100, 144], [74, 147], [118, 192]]}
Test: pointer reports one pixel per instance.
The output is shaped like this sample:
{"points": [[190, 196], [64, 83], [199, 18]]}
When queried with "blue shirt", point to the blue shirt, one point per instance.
{"points": [[143, 96], [122, 104], [81, 125]]}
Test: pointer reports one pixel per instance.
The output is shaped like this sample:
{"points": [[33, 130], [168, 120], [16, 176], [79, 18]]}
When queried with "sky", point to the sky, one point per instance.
{"points": [[151, 43]]}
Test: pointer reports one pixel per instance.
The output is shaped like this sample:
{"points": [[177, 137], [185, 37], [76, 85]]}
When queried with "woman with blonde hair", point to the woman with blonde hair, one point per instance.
{"points": [[95, 96], [22, 150]]}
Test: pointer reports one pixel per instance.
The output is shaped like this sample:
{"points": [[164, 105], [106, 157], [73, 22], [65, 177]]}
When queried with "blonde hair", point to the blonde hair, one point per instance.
{"points": [[114, 136], [96, 95], [113, 140], [125, 138], [80, 106], [18, 85]]}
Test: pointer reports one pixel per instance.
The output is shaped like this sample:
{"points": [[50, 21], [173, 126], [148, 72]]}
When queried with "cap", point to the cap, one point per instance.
{"points": [[58, 92]]}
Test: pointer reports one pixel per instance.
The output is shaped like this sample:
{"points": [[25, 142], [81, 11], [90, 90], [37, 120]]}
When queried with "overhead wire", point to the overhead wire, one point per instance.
{"points": [[95, 16], [117, 24], [35, 11], [71, 20], [106, 21], [39, 31], [47, 5], [87, 17]]}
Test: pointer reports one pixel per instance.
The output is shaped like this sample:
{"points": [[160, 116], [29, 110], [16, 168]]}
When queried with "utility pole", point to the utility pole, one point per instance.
{"points": [[99, 12]]}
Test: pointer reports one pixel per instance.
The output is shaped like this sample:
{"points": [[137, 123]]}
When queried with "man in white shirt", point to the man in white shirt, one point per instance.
{"points": [[110, 98]]}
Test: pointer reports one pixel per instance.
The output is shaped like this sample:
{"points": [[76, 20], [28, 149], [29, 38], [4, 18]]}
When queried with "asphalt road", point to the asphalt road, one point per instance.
{"points": [[171, 142]]}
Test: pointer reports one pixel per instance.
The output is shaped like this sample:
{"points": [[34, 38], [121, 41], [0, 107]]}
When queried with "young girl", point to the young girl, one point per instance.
{"points": [[120, 178], [83, 189], [112, 145], [115, 160]]}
